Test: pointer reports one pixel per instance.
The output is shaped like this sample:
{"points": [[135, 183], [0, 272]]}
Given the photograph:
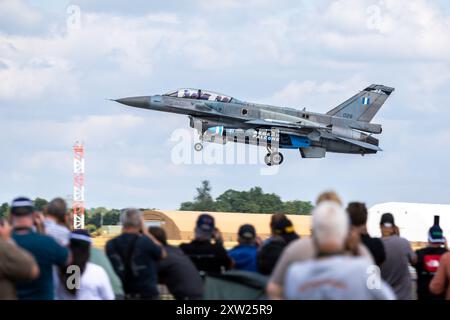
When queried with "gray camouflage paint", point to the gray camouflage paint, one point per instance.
{"points": [[344, 129]]}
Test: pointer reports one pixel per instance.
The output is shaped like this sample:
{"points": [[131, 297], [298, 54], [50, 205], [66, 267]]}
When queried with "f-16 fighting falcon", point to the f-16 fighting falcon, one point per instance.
{"points": [[346, 128]]}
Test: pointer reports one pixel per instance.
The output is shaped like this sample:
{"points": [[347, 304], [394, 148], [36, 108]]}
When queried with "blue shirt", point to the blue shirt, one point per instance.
{"points": [[47, 253], [244, 257]]}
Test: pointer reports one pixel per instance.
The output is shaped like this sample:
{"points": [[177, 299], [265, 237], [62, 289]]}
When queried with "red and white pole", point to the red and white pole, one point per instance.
{"points": [[78, 186]]}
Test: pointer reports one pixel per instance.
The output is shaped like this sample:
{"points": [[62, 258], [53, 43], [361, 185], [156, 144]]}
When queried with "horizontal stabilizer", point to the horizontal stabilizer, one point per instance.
{"points": [[361, 144]]}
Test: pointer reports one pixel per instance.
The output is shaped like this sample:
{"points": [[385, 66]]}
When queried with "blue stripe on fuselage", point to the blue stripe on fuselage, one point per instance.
{"points": [[297, 142]]}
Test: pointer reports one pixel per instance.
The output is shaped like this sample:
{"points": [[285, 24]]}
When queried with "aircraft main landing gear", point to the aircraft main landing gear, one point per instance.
{"points": [[273, 158], [198, 146]]}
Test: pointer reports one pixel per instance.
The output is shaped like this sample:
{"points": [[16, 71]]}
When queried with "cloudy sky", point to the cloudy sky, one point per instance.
{"points": [[59, 61]]}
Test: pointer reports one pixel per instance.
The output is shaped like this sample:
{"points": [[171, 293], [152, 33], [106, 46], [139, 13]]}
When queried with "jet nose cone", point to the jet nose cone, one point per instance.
{"points": [[137, 102]]}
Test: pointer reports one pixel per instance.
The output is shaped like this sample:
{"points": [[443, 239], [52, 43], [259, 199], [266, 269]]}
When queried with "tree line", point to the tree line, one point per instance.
{"points": [[252, 201], [94, 217]]}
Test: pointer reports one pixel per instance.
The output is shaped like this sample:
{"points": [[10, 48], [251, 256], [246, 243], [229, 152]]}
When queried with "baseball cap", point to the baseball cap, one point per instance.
{"points": [[436, 235], [247, 231], [387, 220], [285, 229], [81, 235], [22, 206], [205, 223], [284, 226]]}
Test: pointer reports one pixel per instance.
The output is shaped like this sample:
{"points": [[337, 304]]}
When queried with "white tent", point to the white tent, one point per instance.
{"points": [[413, 219]]}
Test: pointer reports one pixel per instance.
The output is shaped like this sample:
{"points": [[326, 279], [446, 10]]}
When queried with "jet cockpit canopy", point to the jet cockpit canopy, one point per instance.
{"points": [[199, 94]]}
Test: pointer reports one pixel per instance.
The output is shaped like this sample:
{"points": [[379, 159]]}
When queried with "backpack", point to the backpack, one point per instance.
{"points": [[126, 256]]}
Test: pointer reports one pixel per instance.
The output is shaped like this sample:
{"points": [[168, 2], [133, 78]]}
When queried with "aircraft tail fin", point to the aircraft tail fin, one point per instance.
{"points": [[364, 105]]}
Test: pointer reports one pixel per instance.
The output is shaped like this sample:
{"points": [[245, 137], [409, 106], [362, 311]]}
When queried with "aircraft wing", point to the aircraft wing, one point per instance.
{"points": [[361, 144], [258, 123]]}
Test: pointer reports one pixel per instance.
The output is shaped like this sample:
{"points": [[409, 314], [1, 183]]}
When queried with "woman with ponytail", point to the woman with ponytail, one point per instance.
{"points": [[83, 280]]}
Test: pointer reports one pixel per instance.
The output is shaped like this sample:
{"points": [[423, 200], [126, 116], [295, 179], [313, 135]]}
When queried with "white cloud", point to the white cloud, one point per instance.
{"points": [[136, 46], [17, 14], [163, 18], [402, 29], [30, 79], [48, 160], [133, 169], [299, 54], [295, 90], [215, 6], [300, 93], [95, 131]]}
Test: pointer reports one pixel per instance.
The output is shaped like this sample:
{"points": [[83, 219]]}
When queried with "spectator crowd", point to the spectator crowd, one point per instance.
{"points": [[42, 258]]}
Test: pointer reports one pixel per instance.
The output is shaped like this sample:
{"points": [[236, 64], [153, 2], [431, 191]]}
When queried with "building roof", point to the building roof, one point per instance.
{"points": [[227, 222], [413, 219]]}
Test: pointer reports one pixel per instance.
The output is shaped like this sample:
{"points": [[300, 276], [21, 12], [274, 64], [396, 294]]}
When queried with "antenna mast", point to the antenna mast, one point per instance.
{"points": [[78, 186]]}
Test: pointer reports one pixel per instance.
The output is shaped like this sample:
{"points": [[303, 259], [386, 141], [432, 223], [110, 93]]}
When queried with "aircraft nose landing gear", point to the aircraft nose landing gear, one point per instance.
{"points": [[274, 158]]}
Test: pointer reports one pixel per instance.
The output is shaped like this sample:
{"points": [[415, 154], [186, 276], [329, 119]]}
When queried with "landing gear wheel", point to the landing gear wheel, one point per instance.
{"points": [[273, 159], [267, 159], [198, 146], [276, 158]]}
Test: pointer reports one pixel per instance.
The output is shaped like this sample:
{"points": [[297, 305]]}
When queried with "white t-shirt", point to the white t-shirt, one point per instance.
{"points": [[94, 285], [336, 278]]}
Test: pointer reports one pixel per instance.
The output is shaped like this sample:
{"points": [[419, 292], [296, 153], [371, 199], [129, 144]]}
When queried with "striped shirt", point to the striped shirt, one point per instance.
{"points": [[58, 232]]}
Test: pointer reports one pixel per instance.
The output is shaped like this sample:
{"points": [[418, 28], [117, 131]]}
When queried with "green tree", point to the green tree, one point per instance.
{"points": [[102, 216], [90, 228], [39, 204], [203, 201], [236, 201], [111, 218], [94, 216], [267, 202], [94, 219], [4, 210], [298, 207], [252, 201]]}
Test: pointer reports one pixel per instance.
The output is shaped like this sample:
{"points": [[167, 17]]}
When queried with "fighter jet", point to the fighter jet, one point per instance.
{"points": [[221, 118]]}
